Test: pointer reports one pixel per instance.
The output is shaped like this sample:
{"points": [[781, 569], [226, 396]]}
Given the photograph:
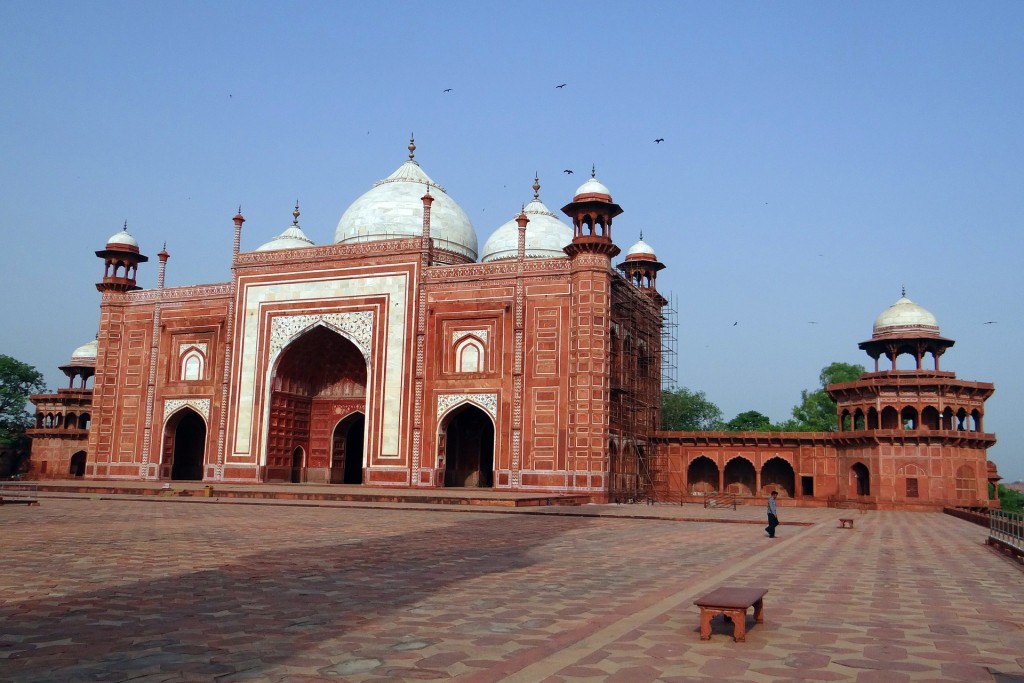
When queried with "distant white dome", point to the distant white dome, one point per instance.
{"points": [[546, 236], [393, 209], [641, 249], [905, 317], [123, 238], [85, 351], [292, 238]]}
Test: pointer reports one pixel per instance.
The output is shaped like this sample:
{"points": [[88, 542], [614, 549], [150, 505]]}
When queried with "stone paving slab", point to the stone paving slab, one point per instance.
{"points": [[125, 590]]}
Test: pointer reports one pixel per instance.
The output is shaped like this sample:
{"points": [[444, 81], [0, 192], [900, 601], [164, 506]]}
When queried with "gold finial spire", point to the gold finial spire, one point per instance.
{"points": [[536, 186], [295, 213], [412, 145]]}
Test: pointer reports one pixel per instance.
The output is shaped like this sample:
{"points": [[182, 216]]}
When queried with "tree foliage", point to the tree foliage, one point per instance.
{"points": [[749, 421], [683, 410], [816, 411], [17, 382], [1010, 500]]}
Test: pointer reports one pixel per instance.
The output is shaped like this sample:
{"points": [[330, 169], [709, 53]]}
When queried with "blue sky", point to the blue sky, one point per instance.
{"points": [[817, 157]]}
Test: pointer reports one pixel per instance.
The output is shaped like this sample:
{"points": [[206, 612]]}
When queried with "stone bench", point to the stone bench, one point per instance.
{"points": [[845, 523], [732, 602]]}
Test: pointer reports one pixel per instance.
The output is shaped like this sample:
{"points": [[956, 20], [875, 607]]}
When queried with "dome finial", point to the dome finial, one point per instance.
{"points": [[641, 234], [536, 186], [903, 291], [412, 145], [295, 213], [593, 170], [125, 228]]}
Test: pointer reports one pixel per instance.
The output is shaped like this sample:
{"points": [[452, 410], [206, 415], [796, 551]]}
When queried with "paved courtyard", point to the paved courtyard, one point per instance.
{"points": [[188, 590]]}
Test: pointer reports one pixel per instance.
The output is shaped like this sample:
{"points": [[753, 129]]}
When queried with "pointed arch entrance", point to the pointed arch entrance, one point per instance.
{"points": [[777, 475], [740, 477], [347, 450], [318, 375], [468, 437], [185, 445], [860, 480], [77, 468]]}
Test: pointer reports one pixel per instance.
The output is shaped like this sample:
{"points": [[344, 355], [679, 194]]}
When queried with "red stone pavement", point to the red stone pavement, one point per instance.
{"points": [[168, 589]]}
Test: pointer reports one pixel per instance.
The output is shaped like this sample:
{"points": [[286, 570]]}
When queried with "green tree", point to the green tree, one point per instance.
{"points": [[17, 381], [1010, 500], [816, 411], [683, 410], [749, 421]]}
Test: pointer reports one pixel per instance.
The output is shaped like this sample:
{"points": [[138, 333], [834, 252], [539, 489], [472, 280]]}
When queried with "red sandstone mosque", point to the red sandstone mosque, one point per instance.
{"points": [[401, 356]]}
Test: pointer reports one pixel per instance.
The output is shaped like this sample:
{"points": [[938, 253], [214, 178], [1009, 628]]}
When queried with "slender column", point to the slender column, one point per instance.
{"points": [[518, 350], [229, 327], [154, 348], [421, 337]]}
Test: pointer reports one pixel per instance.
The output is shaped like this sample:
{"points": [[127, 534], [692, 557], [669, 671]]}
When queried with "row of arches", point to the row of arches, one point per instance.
{"points": [[59, 420], [740, 477], [909, 419]]}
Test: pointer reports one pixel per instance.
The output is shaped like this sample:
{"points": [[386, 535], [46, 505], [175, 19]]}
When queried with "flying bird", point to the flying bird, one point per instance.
{"points": [[736, 323], [561, 86], [659, 140], [992, 322], [447, 90], [567, 172], [812, 322]]}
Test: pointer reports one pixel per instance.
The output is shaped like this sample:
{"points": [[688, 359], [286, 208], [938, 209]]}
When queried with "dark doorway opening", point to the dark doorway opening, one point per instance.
{"points": [[77, 468], [188, 432], [807, 487], [347, 450], [469, 449], [297, 465]]}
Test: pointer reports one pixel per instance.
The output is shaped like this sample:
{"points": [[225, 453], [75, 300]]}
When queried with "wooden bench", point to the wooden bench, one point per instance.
{"points": [[732, 602], [845, 523]]}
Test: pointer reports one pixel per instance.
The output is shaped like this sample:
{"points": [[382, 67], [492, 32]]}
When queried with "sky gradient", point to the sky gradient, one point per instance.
{"points": [[817, 158]]}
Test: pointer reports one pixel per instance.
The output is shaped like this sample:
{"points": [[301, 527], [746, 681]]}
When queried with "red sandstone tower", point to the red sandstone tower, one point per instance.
{"points": [[911, 435], [591, 251]]}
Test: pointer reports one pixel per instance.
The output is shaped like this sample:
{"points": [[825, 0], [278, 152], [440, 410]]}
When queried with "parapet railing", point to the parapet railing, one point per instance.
{"points": [[1006, 531]]}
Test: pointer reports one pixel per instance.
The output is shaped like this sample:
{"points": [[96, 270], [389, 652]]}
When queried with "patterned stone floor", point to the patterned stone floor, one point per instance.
{"points": [[177, 590]]}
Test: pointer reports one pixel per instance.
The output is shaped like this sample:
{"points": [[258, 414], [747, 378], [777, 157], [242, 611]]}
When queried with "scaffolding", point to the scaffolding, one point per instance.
{"points": [[636, 380], [669, 341]]}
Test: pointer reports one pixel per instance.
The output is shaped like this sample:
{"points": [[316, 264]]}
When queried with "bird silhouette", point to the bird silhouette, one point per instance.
{"points": [[736, 323], [812, 322], [992, 322], [561, 86], [659, 140], [567, 172], [447, 90]]}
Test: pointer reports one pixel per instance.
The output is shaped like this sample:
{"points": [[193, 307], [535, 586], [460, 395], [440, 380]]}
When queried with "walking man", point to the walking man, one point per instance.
{"points": [[773, 514]]}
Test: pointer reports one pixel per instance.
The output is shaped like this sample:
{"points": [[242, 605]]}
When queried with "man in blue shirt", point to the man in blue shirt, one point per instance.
{"points": [[773, 514]]}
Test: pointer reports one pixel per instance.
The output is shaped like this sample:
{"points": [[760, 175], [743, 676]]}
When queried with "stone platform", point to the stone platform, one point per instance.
{"points": [[152, 589]]}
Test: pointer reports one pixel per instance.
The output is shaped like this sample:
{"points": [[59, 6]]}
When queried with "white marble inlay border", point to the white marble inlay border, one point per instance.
{"points": [[201, 346], [489, 402], [481, 334], [200, 405], [354, 325]]}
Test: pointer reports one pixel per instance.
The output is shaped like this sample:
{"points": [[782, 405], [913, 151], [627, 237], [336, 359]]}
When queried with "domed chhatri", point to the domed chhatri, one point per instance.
{"points": [[85, 352], [393, 209], [291, 238], [123, 239], [905, 317], [546, 235], [641, 251]]}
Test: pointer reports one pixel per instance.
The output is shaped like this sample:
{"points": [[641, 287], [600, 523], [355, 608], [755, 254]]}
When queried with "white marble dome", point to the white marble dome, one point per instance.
{"points": [[393, 209], [593, 186], [905, 317], [641, 250], [546, 236], [292, 238], [124, 239], [85, 351]]}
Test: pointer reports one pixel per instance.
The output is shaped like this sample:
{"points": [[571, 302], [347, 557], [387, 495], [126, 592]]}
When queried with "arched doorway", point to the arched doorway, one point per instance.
{"points": [[778, 475], [702, 476], [861, 479], [347, 450], [740, 477], [469, 448], [77, 468], [298, 461], [318, 375], [185, 441]]}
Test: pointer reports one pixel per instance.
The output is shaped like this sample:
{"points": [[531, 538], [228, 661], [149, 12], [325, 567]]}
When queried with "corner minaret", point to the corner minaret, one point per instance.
{"points": [[121, 259], [641, 268], [592, 211]]}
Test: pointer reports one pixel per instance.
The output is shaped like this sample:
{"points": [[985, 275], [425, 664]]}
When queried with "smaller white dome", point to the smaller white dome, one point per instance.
{"points": [[292, 238], [593, 186], [124, 238], [905, 317], [546, 236], [641, 248], [85, 351]]}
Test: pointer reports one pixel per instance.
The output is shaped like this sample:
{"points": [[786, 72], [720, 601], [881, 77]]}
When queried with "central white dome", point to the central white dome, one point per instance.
{"points": [[393, 209]]}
